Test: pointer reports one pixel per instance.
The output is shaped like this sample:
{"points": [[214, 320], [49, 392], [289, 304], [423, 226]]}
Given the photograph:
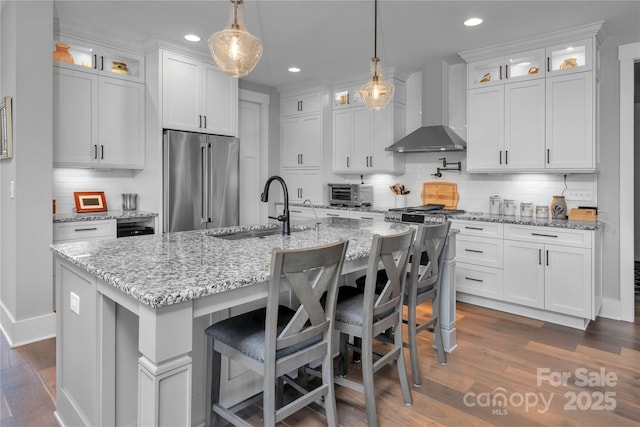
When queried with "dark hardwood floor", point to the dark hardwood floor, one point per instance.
{"points": [[490, 379]]}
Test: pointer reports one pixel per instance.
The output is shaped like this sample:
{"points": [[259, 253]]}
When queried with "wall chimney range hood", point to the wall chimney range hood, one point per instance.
{"points": [[429, 139]]}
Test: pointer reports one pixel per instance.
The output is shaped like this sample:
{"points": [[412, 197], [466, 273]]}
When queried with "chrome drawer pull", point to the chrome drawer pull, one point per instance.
{"points": [[543, 235], [86, 229], [474, 228], [474, 250], [474, 280]]}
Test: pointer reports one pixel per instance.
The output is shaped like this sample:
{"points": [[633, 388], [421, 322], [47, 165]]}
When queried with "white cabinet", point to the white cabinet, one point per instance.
{"points": [[98, 121], [306, 212], [84, 230], [197, 97], [360, 136], [479, 258], [301, 141], [545, 120], [570, 122], [303, 184], [302, 103], [510, 68], [82, 55], [547, 273]]}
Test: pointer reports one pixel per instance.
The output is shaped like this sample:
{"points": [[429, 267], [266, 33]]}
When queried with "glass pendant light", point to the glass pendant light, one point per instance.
{"points": [[235, 50], [376, 93]]}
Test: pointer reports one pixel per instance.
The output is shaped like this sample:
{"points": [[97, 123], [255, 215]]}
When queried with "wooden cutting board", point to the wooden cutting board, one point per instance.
{"points": [[444, 193]]}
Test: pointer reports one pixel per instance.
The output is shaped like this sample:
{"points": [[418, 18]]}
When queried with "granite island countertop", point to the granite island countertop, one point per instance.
{"points": [[97, 216], [164, 269], [511, 219]]}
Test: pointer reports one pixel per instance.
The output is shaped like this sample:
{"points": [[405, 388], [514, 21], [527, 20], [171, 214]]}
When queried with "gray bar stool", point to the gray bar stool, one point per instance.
{"points": [[275, 340]]}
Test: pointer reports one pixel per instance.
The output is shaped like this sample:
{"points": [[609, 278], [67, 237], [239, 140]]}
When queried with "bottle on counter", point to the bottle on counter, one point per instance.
{"points": [[558, 208]]}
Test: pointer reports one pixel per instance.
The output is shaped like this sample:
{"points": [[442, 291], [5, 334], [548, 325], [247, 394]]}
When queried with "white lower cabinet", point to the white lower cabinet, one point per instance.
{"points": [[552, 274], [299, 213], [84, 230]]}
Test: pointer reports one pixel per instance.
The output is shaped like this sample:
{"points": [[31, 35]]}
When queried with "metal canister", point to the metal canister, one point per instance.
{"points": [[526, 210], [542, 212], [509, 207]]}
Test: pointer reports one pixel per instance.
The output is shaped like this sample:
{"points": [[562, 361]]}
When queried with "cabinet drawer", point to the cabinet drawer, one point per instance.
{"points": [[478, 228], [479, 251], [84, 230], [478, 280], [367, 215], [333, 213], [558, 236]]}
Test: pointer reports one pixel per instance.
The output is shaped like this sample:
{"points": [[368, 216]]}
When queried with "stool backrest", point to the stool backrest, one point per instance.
{"points": [[393, 253], [430, 240], [309, 273]]}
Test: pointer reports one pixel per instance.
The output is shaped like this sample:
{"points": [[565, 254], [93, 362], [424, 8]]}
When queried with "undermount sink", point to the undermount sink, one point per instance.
{"points": [[250, 234]]}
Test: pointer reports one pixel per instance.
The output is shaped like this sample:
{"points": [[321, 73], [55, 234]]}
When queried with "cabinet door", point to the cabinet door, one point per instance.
{"points": [[181, 93], [489, 72], [303, 184], [220, 102], [570, 122], [304, 103], [525, 65], [524, 273], [342, 132], [570, 57], [310, 141], [383, 136], [568, 281], [75, 117], [121, 123], [362, 134], [485, 129], [524, 125], [290, 147]]}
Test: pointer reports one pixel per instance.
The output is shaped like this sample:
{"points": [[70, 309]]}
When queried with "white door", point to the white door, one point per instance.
{"points": [[568, 280], [524, 273], [253, 133], [219, 104], [485, 141], [524, 124], [181, 93]]}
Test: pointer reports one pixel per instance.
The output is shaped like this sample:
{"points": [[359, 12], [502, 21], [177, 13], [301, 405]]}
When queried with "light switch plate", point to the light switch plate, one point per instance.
{"points": [[584, 195], [12, 189]]}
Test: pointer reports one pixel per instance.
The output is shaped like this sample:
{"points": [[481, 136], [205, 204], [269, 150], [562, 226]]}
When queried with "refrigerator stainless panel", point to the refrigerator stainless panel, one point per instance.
{"points": [[200, 181]]}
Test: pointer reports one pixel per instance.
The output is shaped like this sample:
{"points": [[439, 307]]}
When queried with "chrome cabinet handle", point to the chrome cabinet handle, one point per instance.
{"points": [[474, 250], [474, 280], [85, 229]]}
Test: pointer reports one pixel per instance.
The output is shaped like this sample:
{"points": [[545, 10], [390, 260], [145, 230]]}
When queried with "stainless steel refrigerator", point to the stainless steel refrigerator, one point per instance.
{"points": [[200, 181]]}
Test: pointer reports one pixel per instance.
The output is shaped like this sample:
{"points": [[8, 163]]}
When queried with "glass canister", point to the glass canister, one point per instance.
{"points": [[495, 205], [558, 208], [526, 210], [510, 207], [542, 212]]}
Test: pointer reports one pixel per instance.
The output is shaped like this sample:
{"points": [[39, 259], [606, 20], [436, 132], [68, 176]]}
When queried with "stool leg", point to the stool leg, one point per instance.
{"points": [[342, 361], [413, 345], [402, 370], [330, 397], [213, 383], [357, 342], [367, 381], [437, 332]]}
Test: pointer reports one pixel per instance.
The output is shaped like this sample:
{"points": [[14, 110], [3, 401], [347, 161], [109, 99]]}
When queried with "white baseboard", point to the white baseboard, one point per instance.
{"points": [[611, 309], [26, 331]]}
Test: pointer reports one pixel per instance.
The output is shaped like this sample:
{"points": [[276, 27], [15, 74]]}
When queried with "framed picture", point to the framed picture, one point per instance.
{"points": [[90, 201], [6, 132]]}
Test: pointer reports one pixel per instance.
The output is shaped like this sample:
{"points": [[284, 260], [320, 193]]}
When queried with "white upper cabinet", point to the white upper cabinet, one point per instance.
{"points": [[197, 97], [570, 57], [527, 65], [98, 114], [77, 54], [301, 130], [360, 136], [302, 103], [534, 111]]}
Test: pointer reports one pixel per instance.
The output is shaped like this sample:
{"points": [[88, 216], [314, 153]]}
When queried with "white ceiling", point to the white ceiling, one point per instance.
{"points": [[331, 39]]}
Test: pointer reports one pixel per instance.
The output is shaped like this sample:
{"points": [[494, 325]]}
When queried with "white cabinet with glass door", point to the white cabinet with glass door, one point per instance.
{"points": [[515, 67], [198, 97], [98, 114], [570, 57]]}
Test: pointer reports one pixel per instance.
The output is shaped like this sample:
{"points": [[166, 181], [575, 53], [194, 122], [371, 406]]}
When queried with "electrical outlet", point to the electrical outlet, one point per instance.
{"points": [[74, 303], [579, 195]]}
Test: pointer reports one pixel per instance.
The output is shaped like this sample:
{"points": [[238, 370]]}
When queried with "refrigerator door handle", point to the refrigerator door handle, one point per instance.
{"points": [[204, 180]]}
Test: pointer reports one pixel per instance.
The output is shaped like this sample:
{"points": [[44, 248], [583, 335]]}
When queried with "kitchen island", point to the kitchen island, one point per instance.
{"points": [[132, 314]]}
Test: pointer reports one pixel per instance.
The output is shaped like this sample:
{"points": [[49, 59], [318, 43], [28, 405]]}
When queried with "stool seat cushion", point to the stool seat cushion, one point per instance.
{"points": [[246, 333], [350, 304]]}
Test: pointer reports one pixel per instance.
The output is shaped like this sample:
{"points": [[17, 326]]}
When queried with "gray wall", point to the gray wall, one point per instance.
{"points": [[26, 226]]}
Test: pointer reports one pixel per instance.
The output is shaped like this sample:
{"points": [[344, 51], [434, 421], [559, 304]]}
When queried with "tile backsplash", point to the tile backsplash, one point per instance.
{"points": [[112, 182], [475, 189]]}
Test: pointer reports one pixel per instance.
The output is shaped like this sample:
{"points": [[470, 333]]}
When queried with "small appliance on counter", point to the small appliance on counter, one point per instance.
{"points": [[350, 194]]}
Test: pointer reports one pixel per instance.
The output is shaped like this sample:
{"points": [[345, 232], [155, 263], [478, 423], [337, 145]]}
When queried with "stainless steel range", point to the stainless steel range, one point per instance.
{"points": [[431, 213]]}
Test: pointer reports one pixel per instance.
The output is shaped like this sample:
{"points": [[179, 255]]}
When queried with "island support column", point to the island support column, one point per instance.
{"points": [[448, 295], [165, 367]]}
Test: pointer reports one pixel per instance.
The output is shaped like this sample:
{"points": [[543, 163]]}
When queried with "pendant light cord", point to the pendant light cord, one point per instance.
{"points": [[375, 28]]}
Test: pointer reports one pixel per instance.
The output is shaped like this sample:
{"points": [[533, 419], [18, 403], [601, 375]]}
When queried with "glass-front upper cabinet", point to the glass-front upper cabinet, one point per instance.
{"points": [[572, 57], [525, 65], [347, 97], [488, 72], [90, 57]]}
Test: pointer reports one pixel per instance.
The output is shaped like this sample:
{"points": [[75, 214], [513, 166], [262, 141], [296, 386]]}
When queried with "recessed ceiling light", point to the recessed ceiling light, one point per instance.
{"points": [[294, 69], [472, 22], [192, 38]]}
